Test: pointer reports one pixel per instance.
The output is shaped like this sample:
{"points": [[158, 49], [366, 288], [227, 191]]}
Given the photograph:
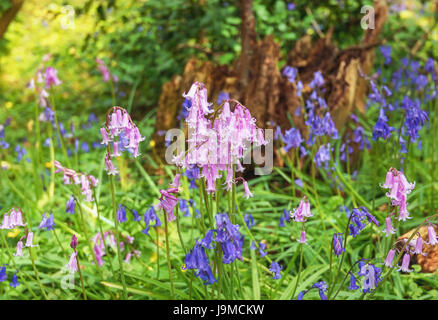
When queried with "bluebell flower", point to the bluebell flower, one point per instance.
{"points": [[291, 6], [322, 288], [3, 276], [337, 244], [207, 241], [353, 282], [222, 96], [290, 73], [382, 129], [275, 268], [14, 283], [46, 142], [252, 246], [386, 52], [249, 220], [292, 139], [184, 208], [135, 214], [197, 259], [149, 216], [85, 147], [121, 213], [262, 247], [323, 156], [229, 237], [184, 110], [47, 223], [21, 151], [284, 217], [70, 205], [317, 81]]}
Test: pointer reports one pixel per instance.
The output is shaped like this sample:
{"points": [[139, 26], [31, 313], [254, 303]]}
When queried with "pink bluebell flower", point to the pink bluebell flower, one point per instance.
{"points": [[303, 211], [389, 229], [389, 258], [405, 263]]}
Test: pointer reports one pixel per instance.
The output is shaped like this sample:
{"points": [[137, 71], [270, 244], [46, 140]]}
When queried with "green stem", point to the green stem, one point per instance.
{"points": [[168, 256], [116, 227]]}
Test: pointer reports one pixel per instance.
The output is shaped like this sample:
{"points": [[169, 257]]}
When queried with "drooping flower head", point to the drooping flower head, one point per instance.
{"points": [[123, 133], [47, 223], [303, 211]]}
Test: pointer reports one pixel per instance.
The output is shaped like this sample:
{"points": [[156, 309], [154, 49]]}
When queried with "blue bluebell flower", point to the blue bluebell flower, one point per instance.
{"points": [[47, 223], [121, 213], [249, 220], [275, 268], [70, 205]]}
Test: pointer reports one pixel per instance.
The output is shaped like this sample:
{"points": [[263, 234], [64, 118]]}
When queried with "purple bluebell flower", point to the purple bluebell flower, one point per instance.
{"points": [[317, 81], [323, 155], [386, 52], [197, 259], [222, 97], [285, 217], [337, 244], [353, 282], [121, 213], [184, 208], [150, 215], [382, 129], [249, 220], [47, 223], [291, 6], [262, 247], [229, 237], [14, 282], [290, 73], [207, 241], [275, 268], [70, 205], [21, 151], [322, 288], [85, 147], [292, 139], [3, 276], [135, 214]]}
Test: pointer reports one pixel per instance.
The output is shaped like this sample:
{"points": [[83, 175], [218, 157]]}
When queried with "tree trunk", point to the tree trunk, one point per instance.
{"points": [[9, 15]]}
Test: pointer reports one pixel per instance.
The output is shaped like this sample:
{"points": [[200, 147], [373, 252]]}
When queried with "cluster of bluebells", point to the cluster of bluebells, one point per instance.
{"points": [[3, 277], [359, 218], [367, 278], [319, 125], [399, 188], [217, 139], [227, 236], [87, 182], [46, 78], [414, 247], [410, 75], [100, 246], [120, 131], [3, 143], [11, 220]]}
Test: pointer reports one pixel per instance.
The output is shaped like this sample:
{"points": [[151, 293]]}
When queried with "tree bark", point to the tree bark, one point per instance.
{"points": [[9, 15]]}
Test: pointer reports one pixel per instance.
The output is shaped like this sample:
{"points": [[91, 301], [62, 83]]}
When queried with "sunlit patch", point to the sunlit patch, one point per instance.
{"points": [[9, 105]]}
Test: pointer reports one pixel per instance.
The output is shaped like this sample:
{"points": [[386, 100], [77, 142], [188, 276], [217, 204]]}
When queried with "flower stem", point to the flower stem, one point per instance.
{"points": [[116, 227], [168, 256], [80, 276]]}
